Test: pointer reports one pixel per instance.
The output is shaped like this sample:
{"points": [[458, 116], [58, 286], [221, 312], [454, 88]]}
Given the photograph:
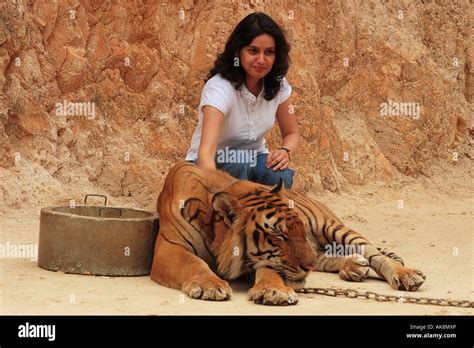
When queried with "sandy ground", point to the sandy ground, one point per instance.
{"points": [[433, 232]]}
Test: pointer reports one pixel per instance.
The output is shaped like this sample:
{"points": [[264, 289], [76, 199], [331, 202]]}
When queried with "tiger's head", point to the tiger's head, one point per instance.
{"points": [[259, 229]]}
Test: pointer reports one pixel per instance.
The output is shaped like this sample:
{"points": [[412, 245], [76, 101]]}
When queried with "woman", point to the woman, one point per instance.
{"points": [[244, 93]]}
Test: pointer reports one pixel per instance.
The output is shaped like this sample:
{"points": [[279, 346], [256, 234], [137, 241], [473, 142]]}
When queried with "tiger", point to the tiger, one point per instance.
{"points": [[215, 228]]}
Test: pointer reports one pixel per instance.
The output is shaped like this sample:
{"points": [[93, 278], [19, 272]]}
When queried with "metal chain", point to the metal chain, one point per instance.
{"points": [[350, 293]]}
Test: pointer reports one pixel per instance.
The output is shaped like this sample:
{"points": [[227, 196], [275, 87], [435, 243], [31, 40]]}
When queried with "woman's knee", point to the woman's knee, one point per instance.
{"points": [[272, 177]]}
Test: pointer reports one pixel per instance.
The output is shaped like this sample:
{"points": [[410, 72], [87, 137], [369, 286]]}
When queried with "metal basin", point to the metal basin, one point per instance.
{"points": [[97, 240]]}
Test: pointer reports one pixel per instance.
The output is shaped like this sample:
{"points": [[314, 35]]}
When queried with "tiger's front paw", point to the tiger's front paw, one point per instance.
{"points": [[407, 279], [206, 288], [273, 295]]}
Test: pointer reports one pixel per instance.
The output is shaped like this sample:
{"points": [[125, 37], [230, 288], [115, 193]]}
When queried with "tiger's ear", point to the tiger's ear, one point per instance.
{"points": [[278, 188], [227, 206]]}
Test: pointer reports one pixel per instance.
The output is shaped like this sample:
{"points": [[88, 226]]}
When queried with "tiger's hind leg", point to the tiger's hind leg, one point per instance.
{"points": [[351, 268], [393, 271], [386, 264], [391, 254]]}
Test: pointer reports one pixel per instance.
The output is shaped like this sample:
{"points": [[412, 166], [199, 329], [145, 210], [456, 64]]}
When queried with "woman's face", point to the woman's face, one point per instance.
{"points": [[257, 58]]}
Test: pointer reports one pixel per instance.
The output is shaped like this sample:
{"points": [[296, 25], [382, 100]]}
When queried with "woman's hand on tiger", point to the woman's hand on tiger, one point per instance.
{"points": [[278, 160]]}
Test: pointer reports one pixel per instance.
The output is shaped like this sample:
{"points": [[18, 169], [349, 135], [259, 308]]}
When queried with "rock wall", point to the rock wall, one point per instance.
{"points": [[138, 68]]}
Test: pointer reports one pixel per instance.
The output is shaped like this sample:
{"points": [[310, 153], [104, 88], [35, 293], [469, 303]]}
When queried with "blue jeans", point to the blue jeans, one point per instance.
{"points": [[258, 173]]}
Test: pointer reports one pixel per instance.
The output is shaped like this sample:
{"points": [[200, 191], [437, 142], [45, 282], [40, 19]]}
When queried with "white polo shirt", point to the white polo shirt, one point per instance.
{"points": [[247, 119]]}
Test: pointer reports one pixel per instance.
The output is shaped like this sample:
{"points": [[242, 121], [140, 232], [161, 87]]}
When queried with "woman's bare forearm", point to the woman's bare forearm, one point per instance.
{"points": [[291, 141], [206, 159], [211, 125]]}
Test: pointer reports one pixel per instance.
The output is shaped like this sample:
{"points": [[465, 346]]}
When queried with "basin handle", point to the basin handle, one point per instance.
{"points": [[105, 198]]}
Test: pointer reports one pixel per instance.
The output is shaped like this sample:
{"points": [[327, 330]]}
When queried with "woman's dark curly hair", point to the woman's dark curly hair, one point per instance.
{"points": [[253, 25]]}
